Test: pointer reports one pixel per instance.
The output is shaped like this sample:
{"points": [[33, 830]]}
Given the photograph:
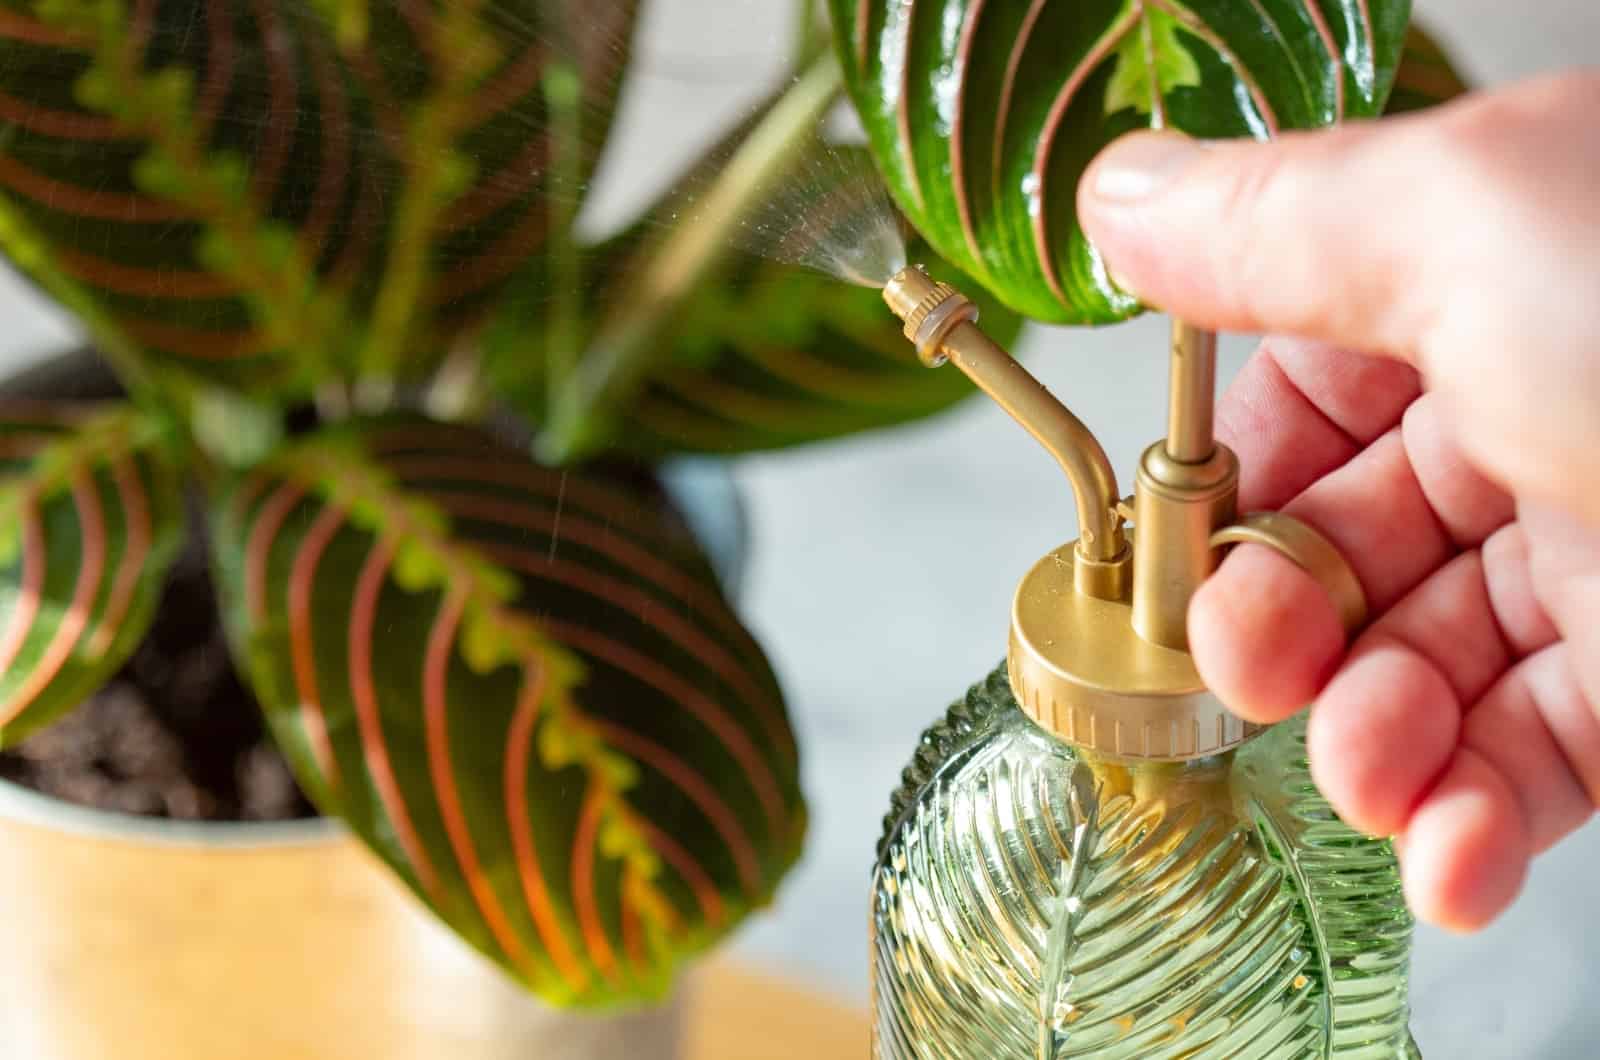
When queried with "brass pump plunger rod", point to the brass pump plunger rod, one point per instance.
{"points": [[1191, 404], [939, 321], [1185, 491]]}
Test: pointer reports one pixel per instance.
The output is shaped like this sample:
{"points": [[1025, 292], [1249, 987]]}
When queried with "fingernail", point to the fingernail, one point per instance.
{"points": [[1139, 166]]}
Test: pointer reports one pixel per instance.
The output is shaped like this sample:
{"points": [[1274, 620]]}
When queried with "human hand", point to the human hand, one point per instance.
{"points": [[1455, 462]]}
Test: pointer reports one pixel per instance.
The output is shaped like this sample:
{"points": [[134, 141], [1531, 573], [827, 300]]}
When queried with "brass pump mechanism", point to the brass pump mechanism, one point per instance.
{"points": [[1098, 651]]}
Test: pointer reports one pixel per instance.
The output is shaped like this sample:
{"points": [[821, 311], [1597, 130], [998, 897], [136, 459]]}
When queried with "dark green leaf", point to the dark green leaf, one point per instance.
{"points": [[1427, 76], [262, 193], [523, 689], [91, 516], [775, 355], [983, 115]]}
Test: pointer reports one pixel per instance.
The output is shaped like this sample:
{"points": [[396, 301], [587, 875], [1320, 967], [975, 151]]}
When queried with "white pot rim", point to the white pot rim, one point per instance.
{"points": [[43, 811]]}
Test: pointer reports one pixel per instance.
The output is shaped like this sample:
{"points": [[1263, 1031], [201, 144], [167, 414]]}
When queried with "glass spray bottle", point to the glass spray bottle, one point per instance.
{"points": [[1089, 856]]}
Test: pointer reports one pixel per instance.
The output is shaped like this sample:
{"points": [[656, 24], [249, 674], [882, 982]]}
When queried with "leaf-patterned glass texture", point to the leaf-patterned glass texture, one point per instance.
{"points": [[1029, 904]]}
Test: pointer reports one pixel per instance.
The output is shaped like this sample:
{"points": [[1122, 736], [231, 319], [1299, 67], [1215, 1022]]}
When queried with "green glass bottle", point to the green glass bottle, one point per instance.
{"points": [[1031, 901], [1089, 856]]}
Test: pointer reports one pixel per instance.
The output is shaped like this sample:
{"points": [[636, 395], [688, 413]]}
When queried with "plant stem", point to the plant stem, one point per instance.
{"points": [[618, 361], [563, 92], [808, 40]]}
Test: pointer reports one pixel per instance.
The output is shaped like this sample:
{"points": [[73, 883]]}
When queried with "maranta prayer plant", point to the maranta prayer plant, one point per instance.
{"points": [[292, 225], [983, 114]]}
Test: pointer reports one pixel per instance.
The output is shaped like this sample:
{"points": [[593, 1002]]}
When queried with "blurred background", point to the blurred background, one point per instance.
{"points": [[883, 566]]}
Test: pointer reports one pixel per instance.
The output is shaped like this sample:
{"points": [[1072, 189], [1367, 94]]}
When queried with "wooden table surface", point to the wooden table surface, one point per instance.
{"points": [[737, 1013]]}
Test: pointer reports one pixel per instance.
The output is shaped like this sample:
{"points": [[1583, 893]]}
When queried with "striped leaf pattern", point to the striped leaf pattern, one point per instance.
{"points": [[776, 355], [1427, 76], [523, 689], [91, 516], [983, 114], [265, 191]]}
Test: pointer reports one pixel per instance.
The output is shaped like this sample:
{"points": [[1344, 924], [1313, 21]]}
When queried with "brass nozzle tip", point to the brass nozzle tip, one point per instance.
{"points": [[906, 289], [928, 309]]}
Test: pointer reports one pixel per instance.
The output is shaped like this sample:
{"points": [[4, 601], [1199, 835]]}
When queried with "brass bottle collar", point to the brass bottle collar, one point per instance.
{"points": [[1079, 669], [1098, 651]]}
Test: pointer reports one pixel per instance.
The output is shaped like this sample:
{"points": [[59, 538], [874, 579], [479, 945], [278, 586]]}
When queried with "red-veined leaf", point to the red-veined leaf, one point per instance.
{"points": [[983, 114], [523, 689], [264, 192], [775, 355], [91, 515]]}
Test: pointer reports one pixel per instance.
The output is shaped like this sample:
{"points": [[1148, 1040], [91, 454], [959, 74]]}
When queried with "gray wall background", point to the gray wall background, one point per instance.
{"points": [[883, 567]]}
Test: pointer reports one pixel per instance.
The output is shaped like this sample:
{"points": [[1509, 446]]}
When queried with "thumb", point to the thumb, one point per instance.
{"points": [[1462, 239], [1318, 235]]}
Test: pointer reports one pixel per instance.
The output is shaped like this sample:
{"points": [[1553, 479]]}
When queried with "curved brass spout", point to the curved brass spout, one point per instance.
{"points": [[939, 320]]}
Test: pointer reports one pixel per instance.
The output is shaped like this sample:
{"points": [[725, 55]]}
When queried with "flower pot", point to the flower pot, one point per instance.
{"points": [[146, 939]]}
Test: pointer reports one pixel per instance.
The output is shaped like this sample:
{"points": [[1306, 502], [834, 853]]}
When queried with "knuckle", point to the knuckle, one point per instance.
{"points": [[1495, 138], [1510, 174], [1467, 150]]}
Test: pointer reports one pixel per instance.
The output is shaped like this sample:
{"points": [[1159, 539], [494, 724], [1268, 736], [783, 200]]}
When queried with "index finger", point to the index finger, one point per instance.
{"points": [[1300, 410]]}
